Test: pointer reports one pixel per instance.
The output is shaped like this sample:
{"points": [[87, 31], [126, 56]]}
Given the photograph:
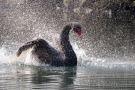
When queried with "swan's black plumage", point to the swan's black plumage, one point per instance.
{"points": [[48, 55]]}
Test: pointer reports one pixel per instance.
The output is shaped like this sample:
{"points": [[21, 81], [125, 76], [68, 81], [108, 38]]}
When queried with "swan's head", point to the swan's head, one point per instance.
{"points": [[78, 29]]}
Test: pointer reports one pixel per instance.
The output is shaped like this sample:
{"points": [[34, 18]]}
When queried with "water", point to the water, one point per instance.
{"points": [[105, 54], [86, 78], [64, 78], [90, 74]]}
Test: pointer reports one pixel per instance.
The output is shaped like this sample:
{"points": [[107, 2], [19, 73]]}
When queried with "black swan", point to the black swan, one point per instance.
{"points": [[49, 55]]}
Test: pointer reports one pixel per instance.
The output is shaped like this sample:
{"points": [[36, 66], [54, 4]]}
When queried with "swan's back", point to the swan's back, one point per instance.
{"points": [[42, 51]]}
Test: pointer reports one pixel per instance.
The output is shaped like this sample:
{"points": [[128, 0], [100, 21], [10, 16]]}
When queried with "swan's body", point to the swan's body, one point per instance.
{"points": [[49, 55]]}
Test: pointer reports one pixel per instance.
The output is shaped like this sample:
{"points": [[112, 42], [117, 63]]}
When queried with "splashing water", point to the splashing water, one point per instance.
{"points": [[3, 55], [34, 21], [83, 60], [106, 63]]}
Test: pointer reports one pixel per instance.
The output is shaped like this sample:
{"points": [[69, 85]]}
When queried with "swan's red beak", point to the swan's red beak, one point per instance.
{"points": [[79, 32]]}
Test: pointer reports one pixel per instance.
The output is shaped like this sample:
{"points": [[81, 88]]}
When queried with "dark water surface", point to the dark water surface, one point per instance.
{"points": [[22, 77]]}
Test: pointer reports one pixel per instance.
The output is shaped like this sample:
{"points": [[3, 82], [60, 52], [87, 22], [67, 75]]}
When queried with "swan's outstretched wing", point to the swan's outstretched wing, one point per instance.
{"points": [[25, 47], [41, 50]]}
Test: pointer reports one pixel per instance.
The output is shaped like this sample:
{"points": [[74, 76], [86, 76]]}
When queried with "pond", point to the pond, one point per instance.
{"points": [[27, 77]]}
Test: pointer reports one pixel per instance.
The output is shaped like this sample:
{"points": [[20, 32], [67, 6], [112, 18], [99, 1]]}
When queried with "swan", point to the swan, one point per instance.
{"points": [[48, 55]]}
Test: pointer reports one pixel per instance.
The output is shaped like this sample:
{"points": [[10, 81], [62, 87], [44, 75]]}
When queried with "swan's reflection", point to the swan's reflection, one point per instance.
{"points": [[51, 77], [60, 77]]}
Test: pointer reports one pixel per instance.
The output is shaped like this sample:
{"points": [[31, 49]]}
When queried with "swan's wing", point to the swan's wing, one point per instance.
{"points": [[25, 47], [40, 48], [40, 51]]}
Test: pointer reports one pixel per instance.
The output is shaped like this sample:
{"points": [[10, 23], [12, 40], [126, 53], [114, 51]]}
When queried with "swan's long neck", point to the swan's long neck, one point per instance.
{"points": [[70, 56]]}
